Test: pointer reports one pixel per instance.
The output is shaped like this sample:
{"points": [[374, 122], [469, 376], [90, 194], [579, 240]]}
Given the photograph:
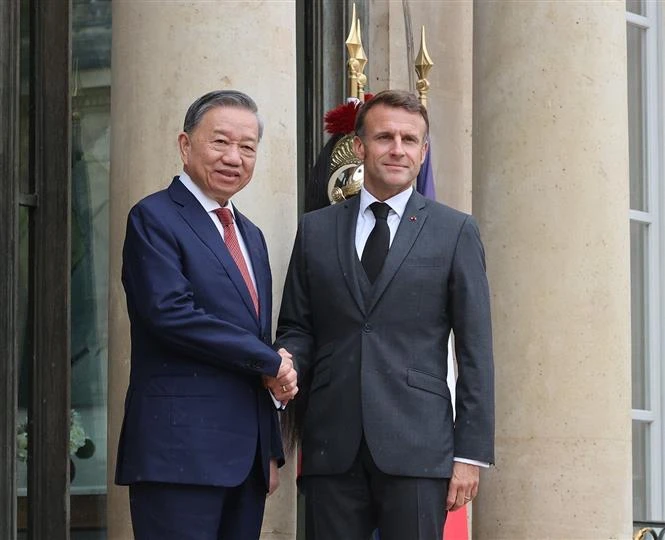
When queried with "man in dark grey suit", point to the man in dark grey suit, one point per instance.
{"points": [[374, 287]]}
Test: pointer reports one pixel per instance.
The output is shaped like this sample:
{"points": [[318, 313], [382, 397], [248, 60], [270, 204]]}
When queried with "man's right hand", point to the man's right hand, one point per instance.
{"points": [[284, 385]]}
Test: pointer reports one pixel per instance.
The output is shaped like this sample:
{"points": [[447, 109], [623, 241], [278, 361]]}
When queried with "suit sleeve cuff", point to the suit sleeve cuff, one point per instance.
{"points": [[483, 464]]}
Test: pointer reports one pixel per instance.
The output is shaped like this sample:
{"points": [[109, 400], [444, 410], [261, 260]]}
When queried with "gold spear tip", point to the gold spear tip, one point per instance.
{"points": [[360, 53], [353, 39], [423, 61]]}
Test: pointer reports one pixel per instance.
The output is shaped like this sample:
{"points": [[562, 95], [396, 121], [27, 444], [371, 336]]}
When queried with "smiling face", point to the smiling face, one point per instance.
{"points": [[219, 154], [393, 148]]}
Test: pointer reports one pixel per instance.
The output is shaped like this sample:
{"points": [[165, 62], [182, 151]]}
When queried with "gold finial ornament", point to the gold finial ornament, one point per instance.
{"points": [[423, 64], [362, 62], [346, 169], [357, 56]]}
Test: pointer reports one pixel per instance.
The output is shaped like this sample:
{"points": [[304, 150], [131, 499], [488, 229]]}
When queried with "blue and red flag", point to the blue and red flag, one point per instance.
{"points": [[425, 180]]}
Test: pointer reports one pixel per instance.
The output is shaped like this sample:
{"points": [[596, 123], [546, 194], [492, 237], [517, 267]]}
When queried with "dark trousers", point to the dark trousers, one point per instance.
{"points": [[350, 506], [189, 512]]}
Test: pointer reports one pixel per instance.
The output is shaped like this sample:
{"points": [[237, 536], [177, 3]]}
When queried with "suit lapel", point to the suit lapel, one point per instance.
{"points": [[346, 248], [413, 219], [198, 219], [259, 258]]}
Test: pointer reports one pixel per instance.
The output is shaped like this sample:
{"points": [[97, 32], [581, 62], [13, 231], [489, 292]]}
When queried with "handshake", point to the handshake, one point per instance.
{"points": [[284, 386]]}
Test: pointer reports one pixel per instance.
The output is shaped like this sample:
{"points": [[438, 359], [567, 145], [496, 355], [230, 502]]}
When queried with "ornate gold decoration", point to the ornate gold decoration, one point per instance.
{"points": [[346, 171], [362, 62], [357, 59], [343, 153], [423, 64], [642, 533]]}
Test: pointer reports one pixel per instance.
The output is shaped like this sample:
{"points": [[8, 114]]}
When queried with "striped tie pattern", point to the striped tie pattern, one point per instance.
{"points": [[231, 239]]}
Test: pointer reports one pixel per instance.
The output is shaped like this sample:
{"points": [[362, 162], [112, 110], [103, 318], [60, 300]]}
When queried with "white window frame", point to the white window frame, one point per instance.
{"points": [[655, 257]]}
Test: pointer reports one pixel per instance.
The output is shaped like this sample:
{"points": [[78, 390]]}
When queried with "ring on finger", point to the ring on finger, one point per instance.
{"points": [[283, 388]]}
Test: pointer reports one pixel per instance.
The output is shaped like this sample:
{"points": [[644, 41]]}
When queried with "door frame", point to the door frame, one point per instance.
{"points": [[9, 100], [47, 201], [50, 165]]}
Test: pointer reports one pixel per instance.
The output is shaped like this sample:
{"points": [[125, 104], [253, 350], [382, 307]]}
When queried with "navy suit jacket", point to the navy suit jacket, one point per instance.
{"points": [[196, 411]]}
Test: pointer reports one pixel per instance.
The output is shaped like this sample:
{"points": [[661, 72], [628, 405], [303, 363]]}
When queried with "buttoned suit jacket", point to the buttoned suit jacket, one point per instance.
{"points": [[372, 358], [196, 411]]}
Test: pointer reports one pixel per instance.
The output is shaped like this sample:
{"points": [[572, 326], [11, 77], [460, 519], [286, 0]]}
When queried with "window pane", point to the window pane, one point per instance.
{"points": [[640, 470], [25, 353], [635, 6], [91, 73], [638, 297], [636, 123]]}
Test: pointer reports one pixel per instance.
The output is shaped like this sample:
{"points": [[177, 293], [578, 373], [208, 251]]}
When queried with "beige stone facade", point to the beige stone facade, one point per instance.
{"points": [[549, 180]]}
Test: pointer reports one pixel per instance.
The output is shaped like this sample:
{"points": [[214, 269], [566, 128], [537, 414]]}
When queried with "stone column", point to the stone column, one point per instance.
{"points": [[165, 55], [449, 32], [550, 190]]}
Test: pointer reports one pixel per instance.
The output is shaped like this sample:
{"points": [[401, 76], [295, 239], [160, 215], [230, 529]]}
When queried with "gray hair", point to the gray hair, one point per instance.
{"points": [[220, 98]]}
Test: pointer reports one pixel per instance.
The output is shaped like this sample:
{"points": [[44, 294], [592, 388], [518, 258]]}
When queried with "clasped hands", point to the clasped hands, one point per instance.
{"points": [[284, 386]]}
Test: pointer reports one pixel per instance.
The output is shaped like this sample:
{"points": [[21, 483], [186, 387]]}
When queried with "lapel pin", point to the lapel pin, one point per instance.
{"points": [[413, 218]]}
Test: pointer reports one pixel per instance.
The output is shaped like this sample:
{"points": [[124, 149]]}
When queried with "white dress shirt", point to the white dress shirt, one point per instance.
{"points": [[210, 205], [366, 219], [364, 226]]}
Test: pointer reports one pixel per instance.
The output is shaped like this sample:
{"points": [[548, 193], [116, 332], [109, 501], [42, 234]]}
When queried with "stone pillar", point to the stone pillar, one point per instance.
{"points": [[449, 38], [449, 33], [550, 190], [165, 55]]}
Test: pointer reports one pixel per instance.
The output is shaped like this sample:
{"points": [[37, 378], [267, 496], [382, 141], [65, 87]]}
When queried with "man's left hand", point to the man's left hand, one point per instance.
{"points": [[284, 385], [274, 477], [463, 486]]}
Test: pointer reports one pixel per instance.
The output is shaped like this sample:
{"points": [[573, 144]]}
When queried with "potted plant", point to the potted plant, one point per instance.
{"points": [[80, 445]]}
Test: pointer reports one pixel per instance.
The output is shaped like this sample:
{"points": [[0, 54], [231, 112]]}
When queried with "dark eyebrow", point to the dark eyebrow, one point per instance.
{"points": [[218, 131], [408, 136]]}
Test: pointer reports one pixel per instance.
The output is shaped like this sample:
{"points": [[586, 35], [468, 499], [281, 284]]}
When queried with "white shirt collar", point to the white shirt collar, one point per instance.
{"points": [[397, 203], [209, 205]]}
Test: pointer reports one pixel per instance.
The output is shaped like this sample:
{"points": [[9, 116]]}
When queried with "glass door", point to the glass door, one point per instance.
{"points": [[54, 163], [35, 281], [90, 160]]}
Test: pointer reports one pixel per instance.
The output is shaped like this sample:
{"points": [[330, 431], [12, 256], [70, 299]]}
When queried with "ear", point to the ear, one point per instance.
{"points": [[424, 151], [185, 147], [359, 148]]}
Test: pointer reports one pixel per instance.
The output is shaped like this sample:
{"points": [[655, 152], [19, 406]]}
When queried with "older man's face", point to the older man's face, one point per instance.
{"points": [[220, 153]]}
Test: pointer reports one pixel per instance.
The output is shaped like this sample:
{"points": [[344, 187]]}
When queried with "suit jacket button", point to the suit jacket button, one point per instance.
{"points": [[367, 328]]}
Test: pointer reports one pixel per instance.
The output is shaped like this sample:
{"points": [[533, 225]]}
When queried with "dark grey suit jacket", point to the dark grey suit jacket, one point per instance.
{"points": [[373, 357]]}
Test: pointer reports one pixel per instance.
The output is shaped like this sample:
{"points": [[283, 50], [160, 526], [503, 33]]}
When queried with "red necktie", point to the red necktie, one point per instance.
{"points": [[231, 240]]}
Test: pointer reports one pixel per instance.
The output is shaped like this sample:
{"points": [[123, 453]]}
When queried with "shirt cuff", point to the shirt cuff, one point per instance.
{"points": [[483, 464], [278, 404]]}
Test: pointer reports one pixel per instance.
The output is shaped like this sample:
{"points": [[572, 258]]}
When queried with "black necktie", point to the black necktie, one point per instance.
{"points": [[378, 242]]}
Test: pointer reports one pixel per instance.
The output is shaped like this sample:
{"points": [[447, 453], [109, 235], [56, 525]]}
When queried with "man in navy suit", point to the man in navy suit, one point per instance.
{"points": [[200, 442]]}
